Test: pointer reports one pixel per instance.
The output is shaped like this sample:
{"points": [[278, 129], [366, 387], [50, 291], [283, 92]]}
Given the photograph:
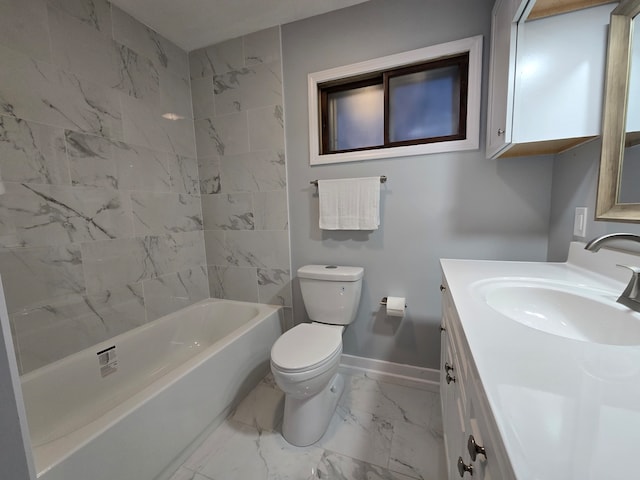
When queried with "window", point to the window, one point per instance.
{"points": [[417, 104], [423, 101]]}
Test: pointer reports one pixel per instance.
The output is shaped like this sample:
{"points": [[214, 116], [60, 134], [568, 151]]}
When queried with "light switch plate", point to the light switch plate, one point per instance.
{"points": [[580, 222]]}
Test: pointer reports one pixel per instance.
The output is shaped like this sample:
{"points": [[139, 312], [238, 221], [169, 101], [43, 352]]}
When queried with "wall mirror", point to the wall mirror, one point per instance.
{"points": [[619, 179]]}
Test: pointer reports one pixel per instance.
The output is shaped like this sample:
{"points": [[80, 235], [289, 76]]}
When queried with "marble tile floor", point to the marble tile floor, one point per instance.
{"points": [[380, 431]]}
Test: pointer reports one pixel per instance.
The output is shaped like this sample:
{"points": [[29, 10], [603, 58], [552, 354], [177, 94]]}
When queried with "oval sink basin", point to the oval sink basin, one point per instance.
{"points": [[570, 311]]}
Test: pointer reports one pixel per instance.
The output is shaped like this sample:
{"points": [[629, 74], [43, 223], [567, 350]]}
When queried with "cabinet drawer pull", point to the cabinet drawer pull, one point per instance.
{"points": [[448, 368], [463, 467], [450, 379], [500, 132], [442, 329], [475, 449], [442, 288]]}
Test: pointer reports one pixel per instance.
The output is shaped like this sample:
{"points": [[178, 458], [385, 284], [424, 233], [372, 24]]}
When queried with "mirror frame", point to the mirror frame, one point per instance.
{"points": [[614, 117]]}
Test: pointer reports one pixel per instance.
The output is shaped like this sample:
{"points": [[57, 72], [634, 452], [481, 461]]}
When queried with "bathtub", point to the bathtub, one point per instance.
{"points": [[134, 406]]}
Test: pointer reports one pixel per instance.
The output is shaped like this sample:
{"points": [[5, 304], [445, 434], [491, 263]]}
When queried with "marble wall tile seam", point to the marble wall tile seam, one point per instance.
{"points": [[127, 261], [157, 150], [255, 230], [118, 143], [146, 41], [276, 108], [99, 58], [253, 172], [274, 286], [282, 266], [76, 46], [222, 134], [233, 283], [90, 303], [42, 215], [171, 88], [94, 13], [216, 59], [265, 126], [202, 101], [158, 213], [36, 120], [250, 87], [133, 70], [114, 149], [144, 125], [209, 174], [65, 297], [167, 293], [32, 152], [95, 109], [128, 91], [253, 43], [71, 78]]}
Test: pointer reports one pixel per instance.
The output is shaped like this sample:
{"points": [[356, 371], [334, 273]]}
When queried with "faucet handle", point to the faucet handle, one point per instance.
{"points": [[635, 270], [631, 295]]}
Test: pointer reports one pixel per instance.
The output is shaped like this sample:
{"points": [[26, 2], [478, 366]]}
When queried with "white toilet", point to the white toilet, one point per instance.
{"points": [[305, 359]]}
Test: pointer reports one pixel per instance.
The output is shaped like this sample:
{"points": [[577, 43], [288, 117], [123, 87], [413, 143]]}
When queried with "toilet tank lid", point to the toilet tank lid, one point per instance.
{"points": [[331, 273]]}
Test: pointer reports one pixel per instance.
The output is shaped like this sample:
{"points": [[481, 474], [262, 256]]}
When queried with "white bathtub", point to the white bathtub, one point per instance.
{"points": [[135, 415]]}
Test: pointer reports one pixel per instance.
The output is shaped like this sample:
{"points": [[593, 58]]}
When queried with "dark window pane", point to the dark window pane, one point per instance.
{"points": [[356, 118], [424, 104]]}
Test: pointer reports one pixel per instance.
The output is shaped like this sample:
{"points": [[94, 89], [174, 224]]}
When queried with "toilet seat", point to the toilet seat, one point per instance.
{"points": [[307, 346]]}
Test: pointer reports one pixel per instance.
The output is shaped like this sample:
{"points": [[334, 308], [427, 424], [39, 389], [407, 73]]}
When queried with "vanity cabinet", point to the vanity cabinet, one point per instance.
{"points": [[546, 79], [501, 75], [473, 447]]}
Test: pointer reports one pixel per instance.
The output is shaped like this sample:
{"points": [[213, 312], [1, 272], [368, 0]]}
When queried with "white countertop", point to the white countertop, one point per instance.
{"points": [[566, 409]]}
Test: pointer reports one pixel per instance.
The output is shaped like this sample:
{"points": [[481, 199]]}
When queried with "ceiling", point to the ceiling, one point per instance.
{"points": [[192, 24]]}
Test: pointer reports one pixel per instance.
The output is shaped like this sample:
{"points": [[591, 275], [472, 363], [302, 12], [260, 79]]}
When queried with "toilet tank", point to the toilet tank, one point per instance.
{"points": [[331, 294]]}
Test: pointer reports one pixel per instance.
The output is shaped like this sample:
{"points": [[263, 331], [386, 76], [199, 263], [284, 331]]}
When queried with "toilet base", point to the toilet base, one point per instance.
{"points": [[306, 419]]}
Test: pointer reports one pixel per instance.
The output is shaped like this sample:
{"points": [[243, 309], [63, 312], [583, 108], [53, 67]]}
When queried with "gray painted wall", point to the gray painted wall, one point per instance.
{"points": [[575, 176], [443, 205]]}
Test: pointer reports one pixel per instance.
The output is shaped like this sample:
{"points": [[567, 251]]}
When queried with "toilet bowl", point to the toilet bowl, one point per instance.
{"points": [[305, 359], [312, 385]]}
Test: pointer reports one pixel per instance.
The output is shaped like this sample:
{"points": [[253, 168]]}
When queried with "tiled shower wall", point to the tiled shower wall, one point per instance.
{"points": [[237, 105], [101, 224]]}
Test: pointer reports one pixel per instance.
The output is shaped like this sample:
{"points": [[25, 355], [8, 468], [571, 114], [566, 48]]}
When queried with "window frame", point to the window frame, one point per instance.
{"points": [[363, 72]]}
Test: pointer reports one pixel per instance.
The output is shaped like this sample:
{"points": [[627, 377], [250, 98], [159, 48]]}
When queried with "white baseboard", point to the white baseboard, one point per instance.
{"points": [[416, 377]]}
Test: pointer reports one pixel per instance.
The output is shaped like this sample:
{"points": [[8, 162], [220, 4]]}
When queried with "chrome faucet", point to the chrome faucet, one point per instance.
{"points": [[631, 295], [599, 242]]}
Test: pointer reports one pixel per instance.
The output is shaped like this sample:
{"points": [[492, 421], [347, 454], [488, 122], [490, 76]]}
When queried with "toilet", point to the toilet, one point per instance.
{"points": [[305, 359]]}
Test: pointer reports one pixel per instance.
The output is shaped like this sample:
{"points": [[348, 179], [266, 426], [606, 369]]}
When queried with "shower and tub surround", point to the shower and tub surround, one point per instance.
{"points": [[239, 125], [167, 383], [101, 223]]}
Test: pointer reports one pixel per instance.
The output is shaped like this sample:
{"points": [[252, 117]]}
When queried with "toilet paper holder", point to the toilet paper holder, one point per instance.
{"points": [[384, 302]]}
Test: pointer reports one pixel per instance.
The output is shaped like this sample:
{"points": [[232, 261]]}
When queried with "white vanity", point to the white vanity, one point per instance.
{"points": [[541, 368]]}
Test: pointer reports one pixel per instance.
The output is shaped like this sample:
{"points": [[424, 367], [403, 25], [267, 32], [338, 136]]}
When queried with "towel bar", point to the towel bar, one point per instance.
{"points": [[383, 179]]}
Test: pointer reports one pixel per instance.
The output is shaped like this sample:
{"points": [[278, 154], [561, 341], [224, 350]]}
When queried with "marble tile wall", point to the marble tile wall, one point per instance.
{"points": [[239, 127], [101, 225]]}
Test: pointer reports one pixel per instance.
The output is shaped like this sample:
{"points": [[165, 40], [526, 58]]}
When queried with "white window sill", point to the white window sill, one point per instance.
{"points": [[473, 45]]}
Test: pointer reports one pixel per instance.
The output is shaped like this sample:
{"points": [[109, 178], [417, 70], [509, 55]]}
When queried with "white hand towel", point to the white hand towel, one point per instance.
{"points": [[349, 203]]}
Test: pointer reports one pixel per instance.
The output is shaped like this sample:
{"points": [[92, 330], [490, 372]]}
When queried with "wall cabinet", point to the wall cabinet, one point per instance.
{"points": [[473, 447], [546, 79]]}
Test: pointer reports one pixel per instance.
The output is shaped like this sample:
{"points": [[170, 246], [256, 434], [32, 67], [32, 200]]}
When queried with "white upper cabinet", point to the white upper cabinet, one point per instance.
{"points": [[546, 81], [501, 76]]}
